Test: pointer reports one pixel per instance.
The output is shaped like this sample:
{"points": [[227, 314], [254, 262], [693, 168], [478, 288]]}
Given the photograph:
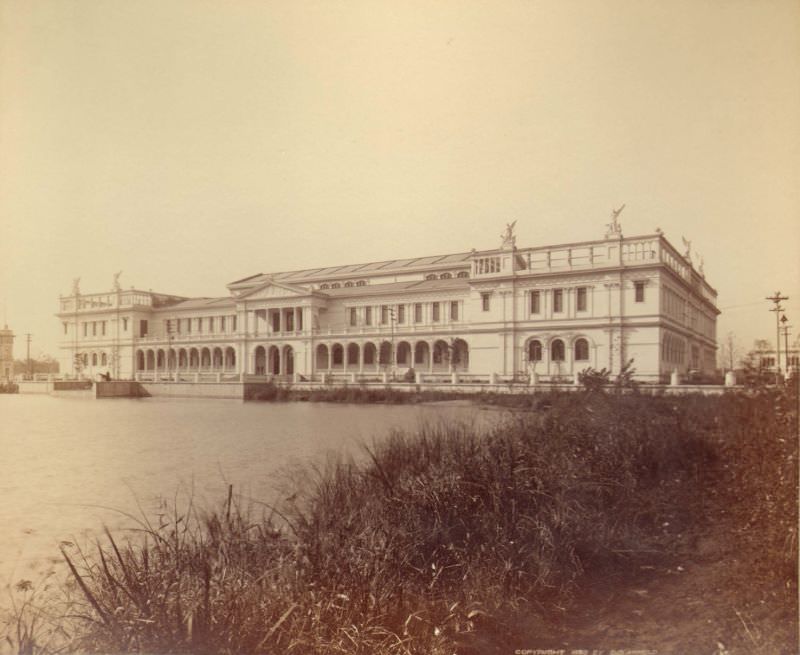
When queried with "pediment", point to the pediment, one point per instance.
{"points": [[273, 289]]}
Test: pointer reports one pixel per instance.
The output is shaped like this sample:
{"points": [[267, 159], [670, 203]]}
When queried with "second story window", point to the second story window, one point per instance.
{"points": [[418, 312], [384, 314], [199, 324], [580, 299], [211, 324], [353, 316], [65, 327], [368, 315], [222, 324], [85, 329], [233, 323], [435, 312], [454, 310], [558, 300], [143, 328], [536, 302], [94, 328], [639, 291], [124, 324], [485, 301], [401, 313]]}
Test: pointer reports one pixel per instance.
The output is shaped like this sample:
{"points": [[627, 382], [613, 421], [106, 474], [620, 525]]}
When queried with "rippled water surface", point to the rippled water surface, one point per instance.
{"points": [[66, 464]]}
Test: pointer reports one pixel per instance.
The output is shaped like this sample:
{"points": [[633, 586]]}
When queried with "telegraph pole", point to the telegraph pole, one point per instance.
{"points": [[777, 298], [30, 373]]}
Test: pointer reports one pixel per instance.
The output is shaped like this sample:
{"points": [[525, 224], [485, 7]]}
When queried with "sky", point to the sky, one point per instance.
{"points": [[190, 144]]}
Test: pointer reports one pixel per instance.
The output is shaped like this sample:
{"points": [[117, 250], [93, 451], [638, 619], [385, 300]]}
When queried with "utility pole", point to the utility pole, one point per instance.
{"points": [[30, 373], [777, 298], [391, 352]]}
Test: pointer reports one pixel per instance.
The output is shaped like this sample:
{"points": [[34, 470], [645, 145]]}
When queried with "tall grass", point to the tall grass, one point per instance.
{"points": [[431, 537]]}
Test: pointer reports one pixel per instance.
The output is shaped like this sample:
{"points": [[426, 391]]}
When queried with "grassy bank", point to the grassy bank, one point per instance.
{"points": [[443, 539]]}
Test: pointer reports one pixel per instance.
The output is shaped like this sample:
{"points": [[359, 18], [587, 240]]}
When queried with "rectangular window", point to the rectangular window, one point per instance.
{"points": [[418, 312], [485, 301], [454, 310], [103, 328], [276, 321], [558, 300], [177, 324], [233, 323], [222, 324], [401, 313], [65, 327], [580, 300], [536, 302], [189, 325], [368, 315], [639, 291], [94, 328], [384, 314], [143, 328], [353, 316], [211, 324], [289, 321], [300, 320], [85, 329], [199, 324], [124, 324], [436, 312]]}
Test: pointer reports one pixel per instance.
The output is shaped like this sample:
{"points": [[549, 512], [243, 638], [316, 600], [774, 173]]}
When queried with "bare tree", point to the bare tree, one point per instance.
{"points": [[729, 353]]}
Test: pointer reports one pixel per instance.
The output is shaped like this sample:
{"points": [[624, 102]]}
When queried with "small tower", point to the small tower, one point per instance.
{"points": [[6, 354]]}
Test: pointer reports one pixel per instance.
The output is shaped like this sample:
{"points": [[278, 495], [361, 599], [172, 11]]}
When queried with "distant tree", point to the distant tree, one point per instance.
{"points": [[729, 353], [44, 364]]}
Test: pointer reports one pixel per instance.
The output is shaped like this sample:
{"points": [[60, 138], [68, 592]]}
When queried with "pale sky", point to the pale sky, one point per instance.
{"points": [[193, 143]]}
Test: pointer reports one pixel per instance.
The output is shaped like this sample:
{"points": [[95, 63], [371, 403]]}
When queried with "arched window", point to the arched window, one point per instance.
{"points": [[335, 285], [557, 351], [337, 355], [94, 359], [348, 284], [430, 276], [324, 285], [445, 276], [581, 350], [103, 360], [535, 351], [462, 274], [361, 283]]}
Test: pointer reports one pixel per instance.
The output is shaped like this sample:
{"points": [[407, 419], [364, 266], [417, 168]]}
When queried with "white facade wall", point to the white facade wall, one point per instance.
{"points": [[597, 304]]}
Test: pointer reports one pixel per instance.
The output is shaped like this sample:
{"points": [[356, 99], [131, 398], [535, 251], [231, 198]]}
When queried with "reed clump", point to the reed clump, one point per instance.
{"points": [[424, 544]]}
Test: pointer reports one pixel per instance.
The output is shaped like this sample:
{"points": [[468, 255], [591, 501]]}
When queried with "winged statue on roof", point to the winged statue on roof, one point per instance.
{"points": [[508, 236]]}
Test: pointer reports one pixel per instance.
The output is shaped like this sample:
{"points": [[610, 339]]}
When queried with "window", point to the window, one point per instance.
{"points": [[361, 283], [353, 316], [639, 290], [143, 328], [430, 276], [276, 321], [124, 324], [435, 312], [581, 350], [445, 276], [324, 286], [485, 301], [210, 323], [557, 351], [189, 325], [348, 284], [85, 329], [222, 324], [65, 327], [199, 324], [535, 351], [94, 328], [536, 302], [401, 313], [233, 323], [580, 300], [418, 312], [454, 310], [103, 360], [94, 359], [558, 300], [335, 285], [462, 274], [289, 320], [368, 315]]}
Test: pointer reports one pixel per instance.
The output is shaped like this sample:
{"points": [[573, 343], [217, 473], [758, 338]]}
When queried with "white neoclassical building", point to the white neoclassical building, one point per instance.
{"points": [[504, 312]]}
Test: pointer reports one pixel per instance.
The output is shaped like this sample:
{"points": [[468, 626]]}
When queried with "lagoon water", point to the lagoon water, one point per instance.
{"points": [[69, 466]]}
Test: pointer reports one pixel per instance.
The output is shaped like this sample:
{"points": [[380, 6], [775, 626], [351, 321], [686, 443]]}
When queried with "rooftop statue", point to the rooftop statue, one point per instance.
{"points": [[614, 228], [76, 288], [509, 240], [117, 287]]}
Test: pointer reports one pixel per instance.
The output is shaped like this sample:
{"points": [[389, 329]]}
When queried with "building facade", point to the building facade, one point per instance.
{"points": [[507, 312], [6, 354]]}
